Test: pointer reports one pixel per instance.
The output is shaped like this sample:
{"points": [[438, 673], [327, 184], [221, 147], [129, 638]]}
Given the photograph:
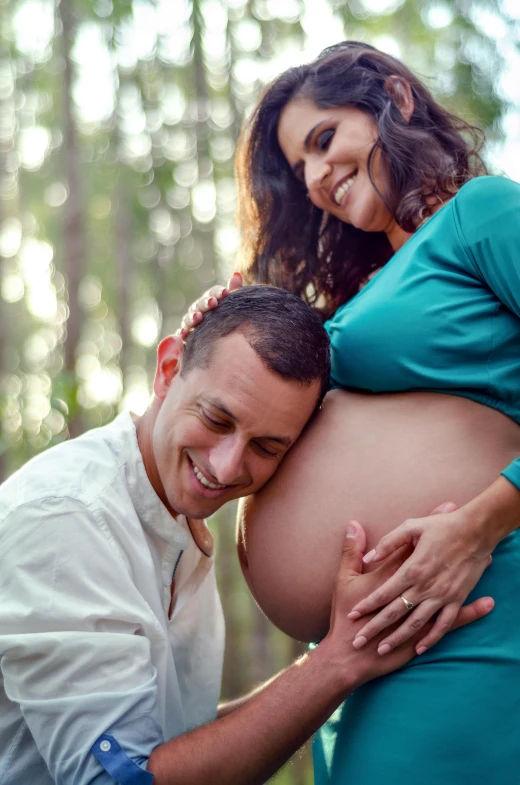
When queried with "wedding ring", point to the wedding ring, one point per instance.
{"points": [[409, 605]]}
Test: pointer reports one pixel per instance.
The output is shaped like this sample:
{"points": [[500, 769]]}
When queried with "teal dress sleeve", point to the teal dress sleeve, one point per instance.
{"points": [[488, 220]]}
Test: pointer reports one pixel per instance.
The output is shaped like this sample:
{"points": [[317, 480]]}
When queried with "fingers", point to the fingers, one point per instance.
{"points": [[403, 535], [235, 282], [414, 622], [353, 547], [472, 612], [351, 566], [389, 615], [190, 320], [452, 617], [390, 590], [443, 623], [206, 303]]}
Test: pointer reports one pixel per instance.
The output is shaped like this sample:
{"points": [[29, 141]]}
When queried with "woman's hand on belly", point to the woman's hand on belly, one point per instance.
{"points": [[350, 585], [450, 554]]}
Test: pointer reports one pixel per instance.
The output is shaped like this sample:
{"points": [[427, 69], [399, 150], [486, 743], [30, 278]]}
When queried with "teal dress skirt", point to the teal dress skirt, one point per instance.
{"points": [[451, 716]]}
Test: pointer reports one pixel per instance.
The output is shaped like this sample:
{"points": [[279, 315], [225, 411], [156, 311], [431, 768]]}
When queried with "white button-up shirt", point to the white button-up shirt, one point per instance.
{"points": [[87, 553]]}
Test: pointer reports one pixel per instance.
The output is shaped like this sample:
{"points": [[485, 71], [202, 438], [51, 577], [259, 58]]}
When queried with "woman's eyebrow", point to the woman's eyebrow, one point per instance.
{"points": [[307, 140]]}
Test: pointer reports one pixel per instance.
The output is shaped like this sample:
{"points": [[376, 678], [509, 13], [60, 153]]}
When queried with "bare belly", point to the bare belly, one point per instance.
{"points": [[379, 459]]}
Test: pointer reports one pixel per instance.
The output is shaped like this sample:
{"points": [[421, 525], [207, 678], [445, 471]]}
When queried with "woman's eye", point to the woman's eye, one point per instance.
{"points": [[324, 139]]}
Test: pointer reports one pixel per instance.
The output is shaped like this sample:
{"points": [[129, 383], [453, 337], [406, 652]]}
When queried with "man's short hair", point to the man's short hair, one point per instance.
{"points": [[285, 332]]}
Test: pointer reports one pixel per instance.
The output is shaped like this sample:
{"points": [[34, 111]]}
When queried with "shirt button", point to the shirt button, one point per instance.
{"points": [[105, 746]]}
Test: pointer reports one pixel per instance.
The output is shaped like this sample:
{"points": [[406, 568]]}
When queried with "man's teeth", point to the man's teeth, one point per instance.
{"points": [[200, 477], [342, 190]]}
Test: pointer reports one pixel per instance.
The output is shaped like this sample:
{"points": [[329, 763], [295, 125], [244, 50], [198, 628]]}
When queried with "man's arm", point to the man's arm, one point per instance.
{"points": [[71, 656], [228, 707], [249, 744]]}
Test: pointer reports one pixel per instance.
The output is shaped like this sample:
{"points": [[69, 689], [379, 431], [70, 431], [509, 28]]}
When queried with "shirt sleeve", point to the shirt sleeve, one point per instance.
{"points": [[488, 216], [73, 654]]}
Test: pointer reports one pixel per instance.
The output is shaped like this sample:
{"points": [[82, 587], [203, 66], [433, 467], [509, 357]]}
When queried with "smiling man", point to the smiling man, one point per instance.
{"points": [[111, 629]]}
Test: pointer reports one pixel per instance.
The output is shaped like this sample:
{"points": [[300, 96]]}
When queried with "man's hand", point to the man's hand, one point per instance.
{"points": [[351, 587]]}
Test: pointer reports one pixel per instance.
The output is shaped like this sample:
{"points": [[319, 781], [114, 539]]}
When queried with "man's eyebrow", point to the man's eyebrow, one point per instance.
{"points": [[306, 146], [221, 408]]}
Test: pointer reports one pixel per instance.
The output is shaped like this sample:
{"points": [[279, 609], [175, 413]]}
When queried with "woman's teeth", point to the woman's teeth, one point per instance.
{"points": [[342, 190], [206, 483]]}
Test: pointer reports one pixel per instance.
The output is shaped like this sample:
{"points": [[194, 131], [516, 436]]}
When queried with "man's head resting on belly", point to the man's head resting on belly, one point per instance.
{"points": [[232, 400]]}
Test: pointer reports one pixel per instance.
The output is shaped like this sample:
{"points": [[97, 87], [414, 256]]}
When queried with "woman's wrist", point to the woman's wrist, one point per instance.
{"points": [[495, 512]]}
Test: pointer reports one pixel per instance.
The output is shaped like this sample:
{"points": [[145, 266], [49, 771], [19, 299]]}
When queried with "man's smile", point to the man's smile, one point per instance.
{"points": [[205, 486]]}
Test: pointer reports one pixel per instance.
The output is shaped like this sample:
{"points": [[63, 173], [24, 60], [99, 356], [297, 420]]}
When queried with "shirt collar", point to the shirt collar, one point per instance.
{"points": [[150, 509]]}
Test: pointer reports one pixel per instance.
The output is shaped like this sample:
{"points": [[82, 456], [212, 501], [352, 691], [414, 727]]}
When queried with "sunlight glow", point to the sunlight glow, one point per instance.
{"points": [[94, 88], [382, 6], [10, 237], [103, 386], [34, 145], [33, 25], [438, 16], [13, 288]]}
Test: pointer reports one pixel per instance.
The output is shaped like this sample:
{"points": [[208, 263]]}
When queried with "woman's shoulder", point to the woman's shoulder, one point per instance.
{"points": [[486, 202], [488, 191]]}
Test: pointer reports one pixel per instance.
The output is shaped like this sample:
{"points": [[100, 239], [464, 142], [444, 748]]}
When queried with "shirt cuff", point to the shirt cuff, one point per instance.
{"points": [[116, 762]]}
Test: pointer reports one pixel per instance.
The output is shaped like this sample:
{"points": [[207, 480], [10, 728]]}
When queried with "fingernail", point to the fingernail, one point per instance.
{"points": [[359, 642], [384, 648], [351, 531], [354, 615], [368, 557], [421, 649]]}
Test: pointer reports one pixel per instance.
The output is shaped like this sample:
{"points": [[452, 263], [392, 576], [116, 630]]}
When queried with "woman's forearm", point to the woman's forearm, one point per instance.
{"points": [[496, 511]]}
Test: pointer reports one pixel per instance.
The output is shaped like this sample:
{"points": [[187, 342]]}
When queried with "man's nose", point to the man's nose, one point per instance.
{"points": [[315, 174], [227, 461]]}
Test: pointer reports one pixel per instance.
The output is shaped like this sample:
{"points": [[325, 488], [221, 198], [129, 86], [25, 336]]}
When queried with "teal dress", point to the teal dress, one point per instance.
{"points": [[443, 315]]}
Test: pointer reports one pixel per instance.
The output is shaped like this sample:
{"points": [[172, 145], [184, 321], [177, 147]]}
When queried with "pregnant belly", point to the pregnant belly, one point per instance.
{"points": [[378, 459]]}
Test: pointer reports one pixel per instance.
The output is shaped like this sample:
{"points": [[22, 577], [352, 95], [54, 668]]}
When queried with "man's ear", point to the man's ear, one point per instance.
{"points": [[169, 361], [400, 92]]}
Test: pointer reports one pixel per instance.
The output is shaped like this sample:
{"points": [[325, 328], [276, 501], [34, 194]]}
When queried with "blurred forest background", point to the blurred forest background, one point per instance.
{"points": [[118, 123]]}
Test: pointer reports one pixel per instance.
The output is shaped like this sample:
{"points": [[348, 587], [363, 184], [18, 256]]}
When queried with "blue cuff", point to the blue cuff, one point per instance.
{"points": [[115, 760]]}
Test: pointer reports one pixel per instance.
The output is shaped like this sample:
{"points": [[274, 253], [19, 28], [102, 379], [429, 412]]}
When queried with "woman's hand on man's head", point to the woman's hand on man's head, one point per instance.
{"points": [[207, 302], [446, 563]]}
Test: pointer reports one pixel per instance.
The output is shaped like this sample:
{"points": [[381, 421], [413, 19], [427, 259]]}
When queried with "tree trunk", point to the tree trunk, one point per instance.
{"points": [[123, 258], [73, 222]]}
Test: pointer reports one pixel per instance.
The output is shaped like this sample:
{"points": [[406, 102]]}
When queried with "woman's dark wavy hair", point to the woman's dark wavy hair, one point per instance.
{"points": [[290, 243]]}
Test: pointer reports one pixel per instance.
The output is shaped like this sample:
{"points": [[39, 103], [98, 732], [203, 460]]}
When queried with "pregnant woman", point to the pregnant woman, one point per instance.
{"points": [[349, 166]]}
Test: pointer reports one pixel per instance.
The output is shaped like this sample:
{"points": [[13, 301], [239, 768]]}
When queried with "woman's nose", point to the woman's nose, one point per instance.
{"points": [[316, 174]]}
